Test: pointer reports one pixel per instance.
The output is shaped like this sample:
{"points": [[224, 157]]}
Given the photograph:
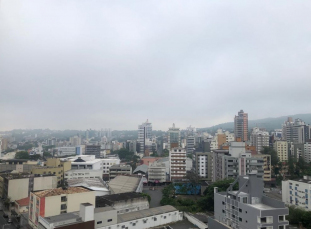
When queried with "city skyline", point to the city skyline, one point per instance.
{"points": [[81, 65]]}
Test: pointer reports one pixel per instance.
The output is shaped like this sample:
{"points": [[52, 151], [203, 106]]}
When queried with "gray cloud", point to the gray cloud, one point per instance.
{"points": [[92, 64]]}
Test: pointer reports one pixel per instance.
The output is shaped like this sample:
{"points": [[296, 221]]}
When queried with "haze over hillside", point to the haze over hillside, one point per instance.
{"points": [[267, 123]]}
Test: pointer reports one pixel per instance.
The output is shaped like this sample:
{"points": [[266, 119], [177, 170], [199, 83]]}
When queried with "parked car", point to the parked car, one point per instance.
{"points": [[5, 215], [9, 220]]}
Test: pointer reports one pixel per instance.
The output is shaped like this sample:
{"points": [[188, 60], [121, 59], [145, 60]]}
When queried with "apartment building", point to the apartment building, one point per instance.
{"points": [[307, 152], [296, 192], [173, 137], [266, 165], [57, 201], [282, 150], [144, 135], [157, 172], [116, 170], [259, 138], [54, 166], [108, 162], [177, 161], [66, 151], [19, 165], [19, 186], [227, 166], [247, 207], [241, 126], [203, 165], [221, 138]]}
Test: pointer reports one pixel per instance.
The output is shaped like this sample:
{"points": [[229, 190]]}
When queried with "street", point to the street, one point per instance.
{"points": [[4, 221], [155, 195]]}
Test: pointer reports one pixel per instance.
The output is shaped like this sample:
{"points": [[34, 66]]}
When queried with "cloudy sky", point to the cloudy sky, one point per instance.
{"points": [[80, 64]]}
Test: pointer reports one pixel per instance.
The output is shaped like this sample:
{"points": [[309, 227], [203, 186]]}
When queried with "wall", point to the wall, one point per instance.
{"points": [[42, 183], [131, 205], [74, 200], [104, 217], [52, 206], [18, 189]]}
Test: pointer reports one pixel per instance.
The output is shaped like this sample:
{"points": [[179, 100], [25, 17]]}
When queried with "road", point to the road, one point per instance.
{"points": [[155, 195], [4, 221]]}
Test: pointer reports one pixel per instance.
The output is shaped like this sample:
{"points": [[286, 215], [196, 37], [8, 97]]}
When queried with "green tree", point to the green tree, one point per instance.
{"points": [[22, 155], [207, 202], [47, 154], [165, 153], [125, 155], [147, 195], [291, 166], [272, 153]]}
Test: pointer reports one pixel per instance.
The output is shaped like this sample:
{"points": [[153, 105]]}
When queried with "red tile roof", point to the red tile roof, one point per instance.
{"points": [[23, 202]]}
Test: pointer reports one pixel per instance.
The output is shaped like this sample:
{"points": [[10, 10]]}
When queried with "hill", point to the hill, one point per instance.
{"points": [[267, 123]]}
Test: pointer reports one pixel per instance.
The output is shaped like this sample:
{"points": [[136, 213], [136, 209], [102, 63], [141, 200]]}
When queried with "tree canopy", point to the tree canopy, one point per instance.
{"points": [[22, 155]]}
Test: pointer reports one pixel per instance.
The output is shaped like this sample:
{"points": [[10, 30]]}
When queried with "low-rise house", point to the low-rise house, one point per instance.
{"points": [[21, 206]]}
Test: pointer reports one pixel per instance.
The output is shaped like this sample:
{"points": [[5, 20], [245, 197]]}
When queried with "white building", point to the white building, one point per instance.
{"points": [[108, 162], [307, 152], [85, 162], [259, 139], [296, 192], [156, 172], [66, 151], [83, 173], [75, 141]]}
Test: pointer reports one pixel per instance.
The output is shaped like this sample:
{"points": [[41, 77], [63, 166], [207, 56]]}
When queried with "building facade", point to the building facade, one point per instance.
{"points": [[203, 165], [93, 150], [57, 201], [281, 148], [144, 134], [259, 138], [116, 170], [247, 207], [173, 137], [241, 126], [177, 161], [157, 172]]}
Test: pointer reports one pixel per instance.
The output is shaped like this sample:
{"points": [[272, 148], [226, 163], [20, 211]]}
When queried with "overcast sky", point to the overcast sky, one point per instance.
{"points": [[112, 64]]}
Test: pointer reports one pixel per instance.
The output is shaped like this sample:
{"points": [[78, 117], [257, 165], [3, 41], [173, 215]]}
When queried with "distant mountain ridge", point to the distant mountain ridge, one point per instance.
{"points": [[267, 123]]}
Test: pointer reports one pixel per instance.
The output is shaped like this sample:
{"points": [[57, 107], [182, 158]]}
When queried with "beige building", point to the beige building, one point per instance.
{"points": [[18, 186], [281, 147], [57, 201], [54, 167], [177, 160], [266, 166]]}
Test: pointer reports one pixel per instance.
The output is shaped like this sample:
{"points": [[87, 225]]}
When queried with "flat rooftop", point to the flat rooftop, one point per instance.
{"points": [[261, 206], [88, 182], [62, 217], [60, 191], [145, 213]]}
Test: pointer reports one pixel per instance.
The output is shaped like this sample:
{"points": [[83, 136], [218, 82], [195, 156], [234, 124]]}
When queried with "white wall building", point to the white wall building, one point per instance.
{"points": [[108, 162], [307, 152], [85, 162], [66, 151], [230, 137], [83, 173], [297, 192], [259, 139]]}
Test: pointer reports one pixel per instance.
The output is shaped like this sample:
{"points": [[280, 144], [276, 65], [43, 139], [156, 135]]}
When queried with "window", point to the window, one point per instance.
{"points": [[99, 222], [282, 227], [164, 217], [281, 218], [223, 211], [134, 224], [155, 219], [240, 219], [240, 210], [109, 220], [223, 203]]}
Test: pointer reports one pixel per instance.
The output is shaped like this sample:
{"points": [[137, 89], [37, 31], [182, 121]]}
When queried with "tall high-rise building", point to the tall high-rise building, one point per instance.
{"points": [[173, 137], [190, 139], [241, 126], [177, 161], [259, 139], [144, 135], [296, 131]]}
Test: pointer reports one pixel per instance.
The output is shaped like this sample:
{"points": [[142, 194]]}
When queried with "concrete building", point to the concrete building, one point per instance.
{"points": [[203, 165], [141, 170], [247, 207], [123, 202], [296, 192], [108, 218], [80, 150], [221, 138], [144, 134], [173, 137], [57, 201], [266, 165], [296, 131], [177, 161], [97, 185], [108, 162], [122, 184], [54, 166], [75, 141], [18, 186], [259, 138], [84, 162], [307, 152], [116, 170], [66, 151], [18, 165], [229, 165], [157, 172], [21, 206], [93, 150], [241, 126], [281, 148], [85, 173]]}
